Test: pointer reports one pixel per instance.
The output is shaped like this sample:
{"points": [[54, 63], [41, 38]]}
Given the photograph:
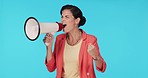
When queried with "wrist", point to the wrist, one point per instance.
{"points": [[97, 58], [49, 45]]}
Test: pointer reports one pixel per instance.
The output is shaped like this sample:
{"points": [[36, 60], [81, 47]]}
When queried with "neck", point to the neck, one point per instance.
{"points": [[73, 37]]}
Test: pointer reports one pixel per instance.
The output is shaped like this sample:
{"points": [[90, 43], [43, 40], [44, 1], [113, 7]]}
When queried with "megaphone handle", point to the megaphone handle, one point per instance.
{"points": [[52, 34], [46, 44]]}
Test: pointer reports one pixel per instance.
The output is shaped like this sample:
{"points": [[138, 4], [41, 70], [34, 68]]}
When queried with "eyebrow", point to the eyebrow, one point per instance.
{"points": [[66, 15]]}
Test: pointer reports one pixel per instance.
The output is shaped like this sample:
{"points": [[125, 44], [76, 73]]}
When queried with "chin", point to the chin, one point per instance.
{"points": [[64, 31]]}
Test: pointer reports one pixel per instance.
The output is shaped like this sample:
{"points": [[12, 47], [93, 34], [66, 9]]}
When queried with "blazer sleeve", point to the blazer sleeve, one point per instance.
{"points": [[51, 64], [104, 63]]}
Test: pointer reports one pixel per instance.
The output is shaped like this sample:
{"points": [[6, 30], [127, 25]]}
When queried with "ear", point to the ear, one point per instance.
{"points": [[77, 21]]}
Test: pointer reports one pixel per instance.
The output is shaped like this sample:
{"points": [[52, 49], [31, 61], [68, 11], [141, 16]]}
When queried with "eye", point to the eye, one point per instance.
{"points": [[67, 16], [61, 16]]}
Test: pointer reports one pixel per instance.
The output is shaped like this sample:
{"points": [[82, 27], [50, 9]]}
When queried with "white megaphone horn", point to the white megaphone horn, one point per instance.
{"points": [[33, 28]]}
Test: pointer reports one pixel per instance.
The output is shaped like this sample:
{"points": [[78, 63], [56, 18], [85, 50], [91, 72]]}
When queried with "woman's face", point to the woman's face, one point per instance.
{"points": [[68, 19]]}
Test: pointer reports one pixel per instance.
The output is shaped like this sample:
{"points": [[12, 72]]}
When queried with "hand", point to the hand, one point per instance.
{"points": [[92, 51], [48, 39]]}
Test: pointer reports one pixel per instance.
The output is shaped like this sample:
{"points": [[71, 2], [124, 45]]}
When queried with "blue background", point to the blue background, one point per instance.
{"points": [[121, 27]]}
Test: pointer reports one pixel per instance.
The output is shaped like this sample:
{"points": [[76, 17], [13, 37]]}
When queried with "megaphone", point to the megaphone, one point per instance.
{"points": [[33, 28]]}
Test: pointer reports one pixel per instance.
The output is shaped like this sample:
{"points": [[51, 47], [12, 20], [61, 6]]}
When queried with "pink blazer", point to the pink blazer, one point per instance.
{"points": [[86, 66]]}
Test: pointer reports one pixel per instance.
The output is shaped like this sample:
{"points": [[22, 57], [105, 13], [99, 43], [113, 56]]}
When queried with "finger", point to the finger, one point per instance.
{"points": [[47, 37], [51, 35], [92, 46], [44, 40], [47, 34], [89, 48]]}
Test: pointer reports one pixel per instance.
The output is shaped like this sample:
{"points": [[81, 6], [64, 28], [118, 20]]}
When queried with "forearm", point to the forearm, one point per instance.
{"points": [[99, 62], [49, 53]]}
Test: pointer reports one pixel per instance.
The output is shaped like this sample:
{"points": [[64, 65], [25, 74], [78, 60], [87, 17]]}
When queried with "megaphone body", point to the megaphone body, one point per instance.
{"points": [[33, 28]]}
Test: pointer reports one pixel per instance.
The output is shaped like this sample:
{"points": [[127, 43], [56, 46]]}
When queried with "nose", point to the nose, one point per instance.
{"points": [[62, 19]]}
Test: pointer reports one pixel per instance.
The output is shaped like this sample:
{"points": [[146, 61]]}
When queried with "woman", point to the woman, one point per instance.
{"points": [[74, 51]]}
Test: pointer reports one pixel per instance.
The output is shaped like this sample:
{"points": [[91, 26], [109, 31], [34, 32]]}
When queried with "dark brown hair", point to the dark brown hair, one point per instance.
{"points": [[76, 13]]}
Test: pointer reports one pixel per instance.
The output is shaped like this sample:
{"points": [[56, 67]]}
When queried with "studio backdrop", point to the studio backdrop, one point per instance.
{"points": [[121, 27]]}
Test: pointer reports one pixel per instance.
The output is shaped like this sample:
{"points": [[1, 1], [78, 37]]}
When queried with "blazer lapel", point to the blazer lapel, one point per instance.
{"points": [[60, 55], [81, 53]]}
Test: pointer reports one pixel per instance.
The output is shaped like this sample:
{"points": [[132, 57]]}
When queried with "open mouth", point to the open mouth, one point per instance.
{"points": [[64, 25]]}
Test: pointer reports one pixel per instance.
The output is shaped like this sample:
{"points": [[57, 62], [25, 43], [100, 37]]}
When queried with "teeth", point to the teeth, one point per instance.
{"points": [[64, 24]]}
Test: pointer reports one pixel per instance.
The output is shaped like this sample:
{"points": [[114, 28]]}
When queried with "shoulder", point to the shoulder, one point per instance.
{"points": [[88, 36], [91, 37]]}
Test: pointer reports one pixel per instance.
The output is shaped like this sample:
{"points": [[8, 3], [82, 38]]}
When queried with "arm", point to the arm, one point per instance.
{"points": [[50, 57], [49, 52], [93, 50]]}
